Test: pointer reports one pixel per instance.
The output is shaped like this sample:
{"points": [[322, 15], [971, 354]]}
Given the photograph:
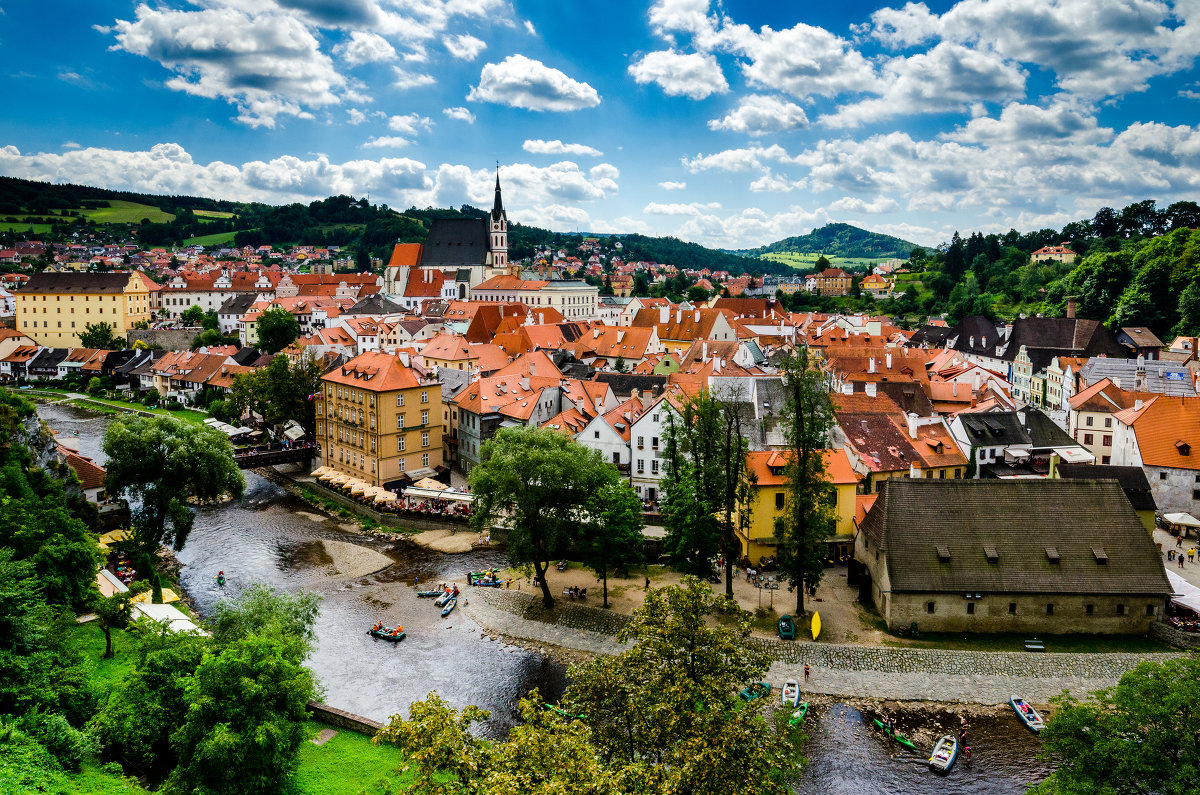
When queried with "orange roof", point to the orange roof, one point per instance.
{"points": [[765, 463], [1167, 431], [90, 474], [374, 372], [862, 506], [507, 282], [448, 347], [406, 255]]}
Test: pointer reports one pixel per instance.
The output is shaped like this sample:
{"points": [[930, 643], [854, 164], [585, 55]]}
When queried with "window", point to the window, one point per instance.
{"points": [[424, 417], [929, 474], [425, 459], [1150, 610], [641, 466], [372, 420], [942, 474], [958, 473], [653, 442], [425, 439], [401, 464], [653, 466], [1089, 609], [1088, 422], [1106, 459], [929, 607], [399, 422], [424, 397], [1087, 438], [970, 608], [1050, 609], [595, 434], [654, 418], [1012, 608], [1120, 610], [1107, 440], [1196, 494], [400, 444], [1108, 422], [372, 444], [1162, 475], [399, 400], [779, 500], [641, 442]]}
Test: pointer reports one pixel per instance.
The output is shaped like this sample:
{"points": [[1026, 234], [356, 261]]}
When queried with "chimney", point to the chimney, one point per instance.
{"points": [[972, 340], [1071, 306], [697, 315], [871, 365], [871, 389], [912, 424], [888, 359], [703, 351], [954, 388], [1137, 405], [678, 315], [541, 318], [664, 314]]}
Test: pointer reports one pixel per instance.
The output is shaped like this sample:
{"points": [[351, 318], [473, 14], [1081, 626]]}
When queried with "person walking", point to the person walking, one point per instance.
{"points": [[647, 583], [1180, 559], [806, 672]]}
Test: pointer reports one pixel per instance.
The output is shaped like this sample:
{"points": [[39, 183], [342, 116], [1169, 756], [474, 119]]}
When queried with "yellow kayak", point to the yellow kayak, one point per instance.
{"points": [[816, 625]]}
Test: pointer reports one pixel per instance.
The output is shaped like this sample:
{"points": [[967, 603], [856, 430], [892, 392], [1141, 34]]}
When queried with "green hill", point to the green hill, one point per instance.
{"points": [[840, 240]]}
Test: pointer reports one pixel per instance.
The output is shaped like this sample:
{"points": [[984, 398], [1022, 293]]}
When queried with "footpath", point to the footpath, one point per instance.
{"points": [[842, 670]]}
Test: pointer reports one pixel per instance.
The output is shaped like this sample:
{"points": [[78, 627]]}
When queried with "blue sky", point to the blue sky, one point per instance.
{"points": [[732, 124]]}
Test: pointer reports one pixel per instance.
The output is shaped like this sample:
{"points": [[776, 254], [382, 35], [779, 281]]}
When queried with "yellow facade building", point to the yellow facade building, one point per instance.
{"points": [[770, 498], [379, 421], [55, 308]]}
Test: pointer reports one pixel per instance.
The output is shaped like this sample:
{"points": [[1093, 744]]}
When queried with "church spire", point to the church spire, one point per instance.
{"points": [[498, 206]]}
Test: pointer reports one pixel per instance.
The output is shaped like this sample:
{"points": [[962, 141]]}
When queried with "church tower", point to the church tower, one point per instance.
{"points": [[498, 233]]}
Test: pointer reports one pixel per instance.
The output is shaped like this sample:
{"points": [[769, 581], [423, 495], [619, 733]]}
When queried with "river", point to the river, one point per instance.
{"points": [[272, 537]]}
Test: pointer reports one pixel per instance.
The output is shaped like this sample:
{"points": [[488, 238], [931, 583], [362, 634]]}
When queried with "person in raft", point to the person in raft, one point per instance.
{"points": [[397, 631], [378, 626]]}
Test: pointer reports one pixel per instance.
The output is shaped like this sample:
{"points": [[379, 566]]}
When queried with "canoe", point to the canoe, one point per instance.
{"points": [[1027, 714], [798, 715], [563, 712], [445, 597], [897, 736], [787, 628], [429, 594], [449, 608], [944, 754], [791, 693], [384, 634], [756, 690]]}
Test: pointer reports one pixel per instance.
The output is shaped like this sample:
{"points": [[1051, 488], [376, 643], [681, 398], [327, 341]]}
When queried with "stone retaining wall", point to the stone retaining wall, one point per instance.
{"points": [[403, 521], [342, 719], [1176, 637]]}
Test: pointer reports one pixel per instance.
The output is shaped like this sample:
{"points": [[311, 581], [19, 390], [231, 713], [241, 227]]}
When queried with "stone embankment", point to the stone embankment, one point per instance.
{"points": [[878, 672]]}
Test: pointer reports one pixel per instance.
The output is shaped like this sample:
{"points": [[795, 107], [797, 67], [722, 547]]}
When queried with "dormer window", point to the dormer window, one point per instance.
{"points": [[1183, 447]]}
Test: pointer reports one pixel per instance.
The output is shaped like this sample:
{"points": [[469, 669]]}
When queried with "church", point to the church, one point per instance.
{"points": [[457, 255]]}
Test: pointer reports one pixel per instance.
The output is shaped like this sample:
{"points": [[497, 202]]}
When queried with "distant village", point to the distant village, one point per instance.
{"points": [[987, 476]]}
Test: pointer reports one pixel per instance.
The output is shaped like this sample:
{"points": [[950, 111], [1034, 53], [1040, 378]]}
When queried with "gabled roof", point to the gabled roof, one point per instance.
{"points": [[456, 241], [374, 372], [1167, 431], [406, 255], [1132, 479]]}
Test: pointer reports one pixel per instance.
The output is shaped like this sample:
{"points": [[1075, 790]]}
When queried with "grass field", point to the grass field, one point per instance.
{"points": [[123, 212], [218, 239], [211, 214], [348, 764], [183, 414], [38, 229], [806, 260]]}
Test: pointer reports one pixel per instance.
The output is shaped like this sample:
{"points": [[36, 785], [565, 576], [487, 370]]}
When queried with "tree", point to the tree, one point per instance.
{"points": [[193, 315], [262, 610], [277, 328], [697, 294], [158, 463], [244, 723], [613, 538], [955, 262], [1139, 737], [281, 391], [536, 482], [1189, 310], [620, 366], [808, 520], [113, 611], [100, 335]]}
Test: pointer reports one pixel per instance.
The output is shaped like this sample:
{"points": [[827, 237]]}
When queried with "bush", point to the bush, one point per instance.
{"points": [[64, 742], [94, 387]]}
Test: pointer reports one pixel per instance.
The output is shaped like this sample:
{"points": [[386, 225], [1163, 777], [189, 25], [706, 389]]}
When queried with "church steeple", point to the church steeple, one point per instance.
{"points": [[498, 234]]}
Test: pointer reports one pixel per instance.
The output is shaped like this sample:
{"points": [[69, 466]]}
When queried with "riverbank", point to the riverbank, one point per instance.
{"points": [[105, 405], [879, 673]]}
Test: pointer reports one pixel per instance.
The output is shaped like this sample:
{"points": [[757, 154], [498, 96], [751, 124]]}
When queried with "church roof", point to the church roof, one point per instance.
{"points": [[456, 241]]}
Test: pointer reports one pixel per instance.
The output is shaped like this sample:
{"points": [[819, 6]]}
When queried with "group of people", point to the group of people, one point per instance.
{"points": [[122, 567], [379, 627], [428, 507], [575, 592]]}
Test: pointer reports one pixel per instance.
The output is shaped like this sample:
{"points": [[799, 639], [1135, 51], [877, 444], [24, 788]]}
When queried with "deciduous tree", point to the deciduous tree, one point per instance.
{"points": [[613, 537], [277, 328], [101, 335]]}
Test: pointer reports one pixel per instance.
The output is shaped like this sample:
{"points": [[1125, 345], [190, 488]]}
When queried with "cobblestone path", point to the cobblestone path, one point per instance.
{"points": [[880, 672]]}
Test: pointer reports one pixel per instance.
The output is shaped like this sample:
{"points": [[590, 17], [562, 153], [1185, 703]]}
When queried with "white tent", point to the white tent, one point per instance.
{"points": [[1186, 594], [1185, 519]]}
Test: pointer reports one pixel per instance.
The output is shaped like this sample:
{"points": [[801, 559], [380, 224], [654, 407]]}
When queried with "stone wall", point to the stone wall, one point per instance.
{"points": [[1176, 637], [992, 613], [342, 719], [168, 339], [406, 521]]}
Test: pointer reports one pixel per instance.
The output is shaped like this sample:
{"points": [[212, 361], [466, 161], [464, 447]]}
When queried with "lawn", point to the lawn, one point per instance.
{"points": [[88, 639], [183, 414], [123, 212], [217, 239], [348, 764], [211, 214], [38, 229], [806, 260]]}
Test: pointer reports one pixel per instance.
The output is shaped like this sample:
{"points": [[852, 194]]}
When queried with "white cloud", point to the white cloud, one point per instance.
{"points": [[365, 47], [672, 185], [266, 64], [902, 27], [71, 145], [410, 124], [556, 147], [521, 82], [853, 204], [692, 208], [759, 115], [464, 47], [459, 114], [386, 142], [805, 61], [752, 158], [693, 75], [770, 182], [1028, 125], [355, 116], [750, 227], [530, 29], [405, 79]]}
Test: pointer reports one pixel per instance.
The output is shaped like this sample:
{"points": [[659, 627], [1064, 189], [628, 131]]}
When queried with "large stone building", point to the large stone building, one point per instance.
{"points": [[1159, 435], [380, 421], [1045, 556], [55, 308]]}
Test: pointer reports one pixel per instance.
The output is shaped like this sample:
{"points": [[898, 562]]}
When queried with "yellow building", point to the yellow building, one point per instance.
{"points": [[55, 308], [378, 421], [770, 498]]}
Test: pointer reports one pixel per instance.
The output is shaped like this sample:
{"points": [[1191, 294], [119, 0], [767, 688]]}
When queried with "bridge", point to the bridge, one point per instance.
{"points": [[265, 456]]}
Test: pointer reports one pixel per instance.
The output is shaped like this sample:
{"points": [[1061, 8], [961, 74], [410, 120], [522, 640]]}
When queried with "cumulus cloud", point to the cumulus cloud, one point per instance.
{"points": [[355, 116], [693, 75], [266, 64], [464, 47], [410, 124], [459, 114], [759, 115], [672, 185], [556, 147], [386, 142], [853, 204], [748, 159], [404, 79], [522, 82], [1029, 125], [805, 61], [693, 208], [365, 47]]}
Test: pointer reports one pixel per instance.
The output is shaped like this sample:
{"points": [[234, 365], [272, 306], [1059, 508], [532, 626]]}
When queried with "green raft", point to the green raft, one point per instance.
{"points": [[563, 712], [898, 738], [799, 715]]}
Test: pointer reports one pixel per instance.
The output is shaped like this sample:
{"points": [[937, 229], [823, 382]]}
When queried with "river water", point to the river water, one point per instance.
{"points": [[271, 537]]}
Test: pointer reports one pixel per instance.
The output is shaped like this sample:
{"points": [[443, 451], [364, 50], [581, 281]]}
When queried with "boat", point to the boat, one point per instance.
{"points": [[756, 690], [791, 693], [445, 597], [220, 579], [944, 754], [449, 608], [429, 594], [564, 713], [787, 628], [384, 633], [816, 624], [1027, 714], [896, 736], [798, 715]]}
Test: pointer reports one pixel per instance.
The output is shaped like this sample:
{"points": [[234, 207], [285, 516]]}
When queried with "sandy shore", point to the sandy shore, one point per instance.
{"points": [[352, 560], [450, 542]]}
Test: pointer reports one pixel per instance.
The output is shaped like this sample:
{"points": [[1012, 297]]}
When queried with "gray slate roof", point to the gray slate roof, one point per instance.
{"points": [[75, 282], [1132, 479], [1081, 519], [453, 242], [1161, 377]]}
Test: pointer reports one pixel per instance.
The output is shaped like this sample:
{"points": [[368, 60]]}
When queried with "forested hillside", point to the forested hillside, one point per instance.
{"points": [[840, 240]]}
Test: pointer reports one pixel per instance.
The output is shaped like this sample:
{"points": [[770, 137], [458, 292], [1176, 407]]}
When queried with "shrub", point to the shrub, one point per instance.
{"points": [[64, 742]]}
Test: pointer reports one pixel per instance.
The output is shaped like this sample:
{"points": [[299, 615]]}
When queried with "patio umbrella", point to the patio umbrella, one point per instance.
{"points": [[316, 473], [385, 496]]}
